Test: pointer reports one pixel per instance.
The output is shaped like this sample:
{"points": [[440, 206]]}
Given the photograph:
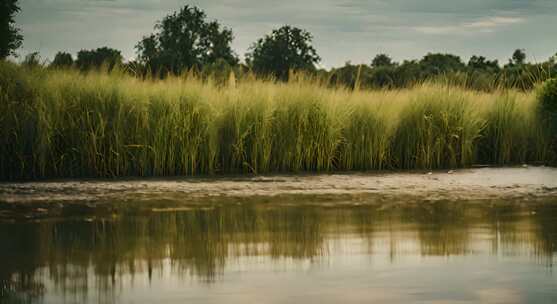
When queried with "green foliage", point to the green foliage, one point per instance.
{"points": [[479, 73], [101, 57], [184, 40], [480, 63], [62, 123], [382, 60], [346, 75], [436, 64], [285, 49], [62, 60], [32, 60], [10, 37], [519, 57], [548, 107], [548, 100]]}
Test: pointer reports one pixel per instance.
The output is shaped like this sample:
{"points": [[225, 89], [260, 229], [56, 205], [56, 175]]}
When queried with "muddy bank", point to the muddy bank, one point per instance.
{"points": [[485, 183]]}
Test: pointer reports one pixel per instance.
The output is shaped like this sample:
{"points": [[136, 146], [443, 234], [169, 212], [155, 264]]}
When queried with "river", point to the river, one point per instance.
{"points": [[468, 236]]}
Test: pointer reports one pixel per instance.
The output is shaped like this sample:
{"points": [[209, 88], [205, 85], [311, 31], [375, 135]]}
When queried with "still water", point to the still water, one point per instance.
{"points": [[285, 248]]}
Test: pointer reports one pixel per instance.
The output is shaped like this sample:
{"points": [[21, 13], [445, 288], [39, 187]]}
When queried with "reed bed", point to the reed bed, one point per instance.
{"points": [[67, 124]]}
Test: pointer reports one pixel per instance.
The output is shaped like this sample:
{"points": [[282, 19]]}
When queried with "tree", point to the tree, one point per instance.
{"points": [[382, 60], [519, 57], [407, 73], [349, 74], [435, 64], [62, 60], [482, 64], [32, 60], [287, 48], [105, 56], [185, 40], [10, 38]]}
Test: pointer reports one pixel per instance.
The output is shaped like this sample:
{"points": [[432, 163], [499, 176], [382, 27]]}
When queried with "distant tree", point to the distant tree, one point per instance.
{"points": [[10, 37], [435, 64], [519, 57], [62, 60], [383, 77], [185, 40], [100, 57], [552, 60], [553, 65], [347, 75], [287, 48], [382, 60], [481, 63], [407, 73], [32, 60]]}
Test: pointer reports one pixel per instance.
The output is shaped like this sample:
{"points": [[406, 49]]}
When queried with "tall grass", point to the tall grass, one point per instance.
{"points": [[67, 124]]}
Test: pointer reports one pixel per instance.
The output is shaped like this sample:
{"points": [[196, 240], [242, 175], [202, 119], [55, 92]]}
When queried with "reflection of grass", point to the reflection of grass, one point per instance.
{"points": [[66, 124], [442, 228]]}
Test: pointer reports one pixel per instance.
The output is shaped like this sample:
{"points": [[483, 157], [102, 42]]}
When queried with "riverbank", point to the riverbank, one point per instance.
{"points": [[42, 199]]}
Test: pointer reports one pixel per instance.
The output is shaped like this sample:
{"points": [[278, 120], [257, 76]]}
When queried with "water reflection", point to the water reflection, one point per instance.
{"points": [[85, 258]]}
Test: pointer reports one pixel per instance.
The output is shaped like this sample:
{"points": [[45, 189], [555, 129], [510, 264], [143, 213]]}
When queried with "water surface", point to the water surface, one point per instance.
{"points": [[284, 248]]}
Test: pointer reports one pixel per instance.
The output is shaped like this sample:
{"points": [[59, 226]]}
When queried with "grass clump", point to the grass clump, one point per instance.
{"points": [[68, 124], [438, 129]]}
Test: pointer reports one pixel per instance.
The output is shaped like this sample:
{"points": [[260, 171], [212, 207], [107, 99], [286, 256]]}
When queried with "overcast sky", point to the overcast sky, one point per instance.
{"points": [[343, 30]]}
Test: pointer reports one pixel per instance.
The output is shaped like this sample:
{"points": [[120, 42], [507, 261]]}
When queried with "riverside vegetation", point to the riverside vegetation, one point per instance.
{"points": [[63, 123]]}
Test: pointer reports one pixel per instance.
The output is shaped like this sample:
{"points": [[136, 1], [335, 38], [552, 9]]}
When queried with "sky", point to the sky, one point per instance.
{"points": [[343, 30]]}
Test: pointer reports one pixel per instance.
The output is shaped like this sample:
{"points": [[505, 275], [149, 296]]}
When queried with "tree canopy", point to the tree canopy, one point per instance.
{"points": [[97, 58], [382, 60], [436, 64], [32, 60], [10, 37], [62, 60], [519, 57], [287, 48], [483, 64], [185, 40]]}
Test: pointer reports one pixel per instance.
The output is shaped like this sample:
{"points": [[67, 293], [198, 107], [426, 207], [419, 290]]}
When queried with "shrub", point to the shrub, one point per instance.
{"points": [[548, 108], [548, 103]]}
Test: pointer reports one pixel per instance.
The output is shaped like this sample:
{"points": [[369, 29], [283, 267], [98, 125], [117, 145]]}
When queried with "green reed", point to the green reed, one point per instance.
{"points": [[68, 124]]}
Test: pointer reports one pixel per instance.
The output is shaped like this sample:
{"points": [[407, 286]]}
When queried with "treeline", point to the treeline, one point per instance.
{"points": [[186, 41], [478, 73]]}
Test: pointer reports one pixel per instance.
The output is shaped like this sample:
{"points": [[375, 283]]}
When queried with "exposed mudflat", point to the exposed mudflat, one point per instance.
{"points": [[468, 184]]}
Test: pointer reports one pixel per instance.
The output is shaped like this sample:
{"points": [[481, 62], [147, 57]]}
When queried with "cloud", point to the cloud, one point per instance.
{"points": [[493, 22], [343, 29], [484, 25]]}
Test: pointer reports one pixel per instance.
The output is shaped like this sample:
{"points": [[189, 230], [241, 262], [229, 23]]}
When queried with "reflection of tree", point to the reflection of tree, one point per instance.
{"points": [[80, 257]]}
